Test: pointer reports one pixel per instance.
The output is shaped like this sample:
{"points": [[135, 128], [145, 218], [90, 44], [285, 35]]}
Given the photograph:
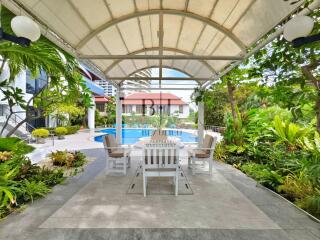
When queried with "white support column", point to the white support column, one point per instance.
{"points": [[118, 117], [200, 121], [91, 115]]}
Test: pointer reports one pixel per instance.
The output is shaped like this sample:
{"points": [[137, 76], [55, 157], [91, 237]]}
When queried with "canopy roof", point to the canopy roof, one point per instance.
{"points": [[97, 30]]}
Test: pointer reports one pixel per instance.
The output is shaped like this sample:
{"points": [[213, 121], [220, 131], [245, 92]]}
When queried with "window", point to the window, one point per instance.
{"points": [[127, 108], [100, 107], [180, 108], [35, 85], [139, 109]]}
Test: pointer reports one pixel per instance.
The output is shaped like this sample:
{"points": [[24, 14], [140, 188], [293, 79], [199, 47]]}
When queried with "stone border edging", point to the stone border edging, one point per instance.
{"points": [[283, 198]]}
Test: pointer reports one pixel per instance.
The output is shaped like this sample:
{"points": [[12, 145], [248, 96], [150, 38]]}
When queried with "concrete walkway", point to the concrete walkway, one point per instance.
{"points": [[228, 205], [81, 140]]}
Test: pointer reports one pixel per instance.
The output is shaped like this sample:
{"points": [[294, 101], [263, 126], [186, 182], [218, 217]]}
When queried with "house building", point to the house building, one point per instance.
{"points": [[151, 104], [101, 102], [30, 86]]}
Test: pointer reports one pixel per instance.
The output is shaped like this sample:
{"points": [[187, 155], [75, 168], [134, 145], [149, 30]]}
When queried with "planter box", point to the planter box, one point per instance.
{"points": [[41, 140]]}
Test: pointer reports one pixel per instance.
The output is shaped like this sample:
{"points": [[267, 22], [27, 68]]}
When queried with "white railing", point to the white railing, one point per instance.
{"points": [[14, 120]]}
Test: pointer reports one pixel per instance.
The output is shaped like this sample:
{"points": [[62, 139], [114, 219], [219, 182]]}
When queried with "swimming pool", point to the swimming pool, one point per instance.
{"points": [[130, 136]]}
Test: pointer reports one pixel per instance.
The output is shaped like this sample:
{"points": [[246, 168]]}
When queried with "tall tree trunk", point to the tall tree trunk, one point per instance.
{"points": [[27, 113], [5, 124], [307, 71], [84, 120], [317, 108], [232, 100], [12, 131]]}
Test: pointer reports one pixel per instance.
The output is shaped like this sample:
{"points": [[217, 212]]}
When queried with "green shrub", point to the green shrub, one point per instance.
{"points": [[311, 204], [8, 144], [21, 181], [220, 152], [31, 190], [40, 133], [48, 176], [72, 129], [61, 131], [263, 174], [79, 159], [289, 133], [8, 187], [68, 159], [13, 144], [296, 187]]}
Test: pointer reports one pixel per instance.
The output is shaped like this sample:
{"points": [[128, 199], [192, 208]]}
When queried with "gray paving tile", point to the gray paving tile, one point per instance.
{"points": [[94, 206], [295, 234]]}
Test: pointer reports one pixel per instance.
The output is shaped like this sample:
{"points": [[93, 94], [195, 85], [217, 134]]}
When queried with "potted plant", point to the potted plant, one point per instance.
{"points": [[40, 134], [60, 132]]}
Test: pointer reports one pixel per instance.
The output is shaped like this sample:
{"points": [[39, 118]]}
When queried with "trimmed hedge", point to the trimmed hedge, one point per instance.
{"points": [[61, 131], [71, 129]]}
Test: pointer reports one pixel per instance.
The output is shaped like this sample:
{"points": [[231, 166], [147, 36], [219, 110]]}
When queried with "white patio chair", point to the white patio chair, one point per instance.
{"points": [[160, 160], [202, 154], [117, 157]]}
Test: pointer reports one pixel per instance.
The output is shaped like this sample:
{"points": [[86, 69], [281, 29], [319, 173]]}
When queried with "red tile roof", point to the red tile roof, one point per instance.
{"points": [[101, 99], [155, 98]]}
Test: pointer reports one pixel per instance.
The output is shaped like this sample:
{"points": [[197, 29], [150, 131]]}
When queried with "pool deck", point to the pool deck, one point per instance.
{"points": [[82, 140], [229, 205]]}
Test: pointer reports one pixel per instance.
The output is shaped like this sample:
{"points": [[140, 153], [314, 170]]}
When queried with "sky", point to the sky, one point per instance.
{"points": [[184, 94]]}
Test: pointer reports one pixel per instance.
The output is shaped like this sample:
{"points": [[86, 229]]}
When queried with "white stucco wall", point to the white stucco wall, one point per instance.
{"points": [[174, 109]]}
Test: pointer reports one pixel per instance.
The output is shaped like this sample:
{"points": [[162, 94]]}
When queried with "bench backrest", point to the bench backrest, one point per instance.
{"points": [[160, 156]]}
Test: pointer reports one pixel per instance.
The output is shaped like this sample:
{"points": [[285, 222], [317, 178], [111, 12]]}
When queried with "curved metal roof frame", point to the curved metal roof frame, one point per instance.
{"points": [[156, 66], [164, 66], [157, 49], [239, 24], [205, 20]]}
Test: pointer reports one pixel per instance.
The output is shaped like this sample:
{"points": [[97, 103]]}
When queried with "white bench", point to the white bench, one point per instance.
{"points": [[160, 160]]}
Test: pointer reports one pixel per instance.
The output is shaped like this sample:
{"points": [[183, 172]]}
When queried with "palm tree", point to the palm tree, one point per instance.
{"points": [[41, 55]]}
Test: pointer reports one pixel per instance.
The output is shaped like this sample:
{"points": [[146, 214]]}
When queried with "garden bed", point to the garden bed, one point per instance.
{"points": [[67, 170], [22, 182]]}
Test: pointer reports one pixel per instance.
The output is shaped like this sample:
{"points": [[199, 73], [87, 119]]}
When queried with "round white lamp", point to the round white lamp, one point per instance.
{"points": [[25, 27], [298, 27]]}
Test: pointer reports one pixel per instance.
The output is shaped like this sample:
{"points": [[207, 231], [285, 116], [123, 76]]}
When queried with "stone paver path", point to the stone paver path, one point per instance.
{"points": [[228, 205]]}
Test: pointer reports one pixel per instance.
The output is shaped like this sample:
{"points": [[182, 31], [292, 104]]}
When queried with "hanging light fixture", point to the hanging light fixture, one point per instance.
{"points": [[24, 28], [298, 29]]}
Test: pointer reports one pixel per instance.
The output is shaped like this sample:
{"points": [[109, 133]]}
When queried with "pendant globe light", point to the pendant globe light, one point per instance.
{"points": [[298, 29], [25, 27]]}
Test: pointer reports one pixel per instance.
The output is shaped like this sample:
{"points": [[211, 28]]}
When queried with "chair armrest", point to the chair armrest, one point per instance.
{"points": [[126, 150], [112, 148], [193, 151], [204, 148]]}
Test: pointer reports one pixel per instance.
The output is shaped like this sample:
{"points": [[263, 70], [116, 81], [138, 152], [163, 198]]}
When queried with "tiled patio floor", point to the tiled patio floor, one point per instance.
{"points": [[228, 205]]}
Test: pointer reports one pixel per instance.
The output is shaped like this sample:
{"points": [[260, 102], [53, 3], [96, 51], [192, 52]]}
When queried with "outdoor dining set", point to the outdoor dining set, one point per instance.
{"points": [[159, 156]]}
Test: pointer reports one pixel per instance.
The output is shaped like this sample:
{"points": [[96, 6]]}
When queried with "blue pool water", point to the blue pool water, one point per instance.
{"points": [[130, 136]]}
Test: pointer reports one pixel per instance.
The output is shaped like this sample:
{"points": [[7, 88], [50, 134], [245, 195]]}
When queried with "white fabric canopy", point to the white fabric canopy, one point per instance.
{"points": [[191, 27]]}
